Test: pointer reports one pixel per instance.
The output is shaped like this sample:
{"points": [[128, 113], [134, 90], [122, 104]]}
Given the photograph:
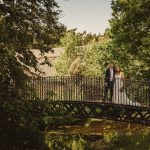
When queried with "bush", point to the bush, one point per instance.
{"points": [[22, 124], [65, 142], [128, 141]]}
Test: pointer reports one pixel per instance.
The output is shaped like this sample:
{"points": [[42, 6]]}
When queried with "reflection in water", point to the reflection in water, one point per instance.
{"points": [[98, 134]]}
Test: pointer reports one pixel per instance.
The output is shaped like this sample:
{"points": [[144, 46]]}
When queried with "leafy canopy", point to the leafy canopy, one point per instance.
{"points": [[81, 59], [130, 31], [25, 25]]}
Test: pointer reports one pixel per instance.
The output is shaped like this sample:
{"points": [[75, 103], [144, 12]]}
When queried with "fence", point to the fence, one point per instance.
{"points": [[90, 89]]}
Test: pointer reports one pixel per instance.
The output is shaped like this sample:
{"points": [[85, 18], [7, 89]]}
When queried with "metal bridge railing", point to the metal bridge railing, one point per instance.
{"points": [[90, 89]]}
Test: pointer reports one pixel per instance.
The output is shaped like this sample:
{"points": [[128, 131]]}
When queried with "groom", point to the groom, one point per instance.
{"points": [[109, 82]]}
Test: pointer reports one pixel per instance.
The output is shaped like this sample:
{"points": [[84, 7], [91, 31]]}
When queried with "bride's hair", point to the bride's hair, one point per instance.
{"points": [[118, 71]]}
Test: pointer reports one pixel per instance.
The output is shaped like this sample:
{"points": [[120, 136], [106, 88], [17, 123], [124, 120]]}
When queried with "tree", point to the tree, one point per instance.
{"points": [[130, 32], [79, 59], [25, 25], [76, 67], [71, 43], [95, 58]]}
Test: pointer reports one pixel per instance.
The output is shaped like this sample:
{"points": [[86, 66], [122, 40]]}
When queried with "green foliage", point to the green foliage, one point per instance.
{"points": [[71, 42], [83, 38], [110, 140], [25, 25], [63, 142], [77, 67], [62, 64], [96, 55], [129, 30], [53, 122], [22, 123], [136, 141], [84, 60]]}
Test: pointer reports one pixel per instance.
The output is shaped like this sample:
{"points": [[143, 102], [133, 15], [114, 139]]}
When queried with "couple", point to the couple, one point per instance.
{"points": [[114, 83]]}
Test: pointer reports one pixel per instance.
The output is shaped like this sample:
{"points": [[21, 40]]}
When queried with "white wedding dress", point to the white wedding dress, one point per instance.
{"points": [[120, 97]]}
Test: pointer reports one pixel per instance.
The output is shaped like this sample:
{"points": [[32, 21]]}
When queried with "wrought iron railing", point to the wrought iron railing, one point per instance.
{"points": [[90, 89]]}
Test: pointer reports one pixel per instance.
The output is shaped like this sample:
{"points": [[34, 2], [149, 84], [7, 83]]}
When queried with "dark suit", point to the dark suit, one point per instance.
{"points": [[108, 84]]}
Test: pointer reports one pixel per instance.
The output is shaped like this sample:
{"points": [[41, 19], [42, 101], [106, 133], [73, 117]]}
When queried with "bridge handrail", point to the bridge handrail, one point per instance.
{"points": [[88, 88]]}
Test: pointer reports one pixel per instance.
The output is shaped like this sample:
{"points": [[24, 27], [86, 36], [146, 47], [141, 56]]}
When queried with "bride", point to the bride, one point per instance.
{"points": [[119, 94]]}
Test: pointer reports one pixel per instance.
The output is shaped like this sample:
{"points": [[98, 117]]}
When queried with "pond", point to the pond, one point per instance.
{"points": [[99, 134]]}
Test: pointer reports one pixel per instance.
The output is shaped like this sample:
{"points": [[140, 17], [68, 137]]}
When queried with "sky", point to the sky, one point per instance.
{"points": [[89, 15]]}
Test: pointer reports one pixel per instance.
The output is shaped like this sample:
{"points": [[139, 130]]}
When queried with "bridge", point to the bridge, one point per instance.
{"points": [[83, 97]]}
